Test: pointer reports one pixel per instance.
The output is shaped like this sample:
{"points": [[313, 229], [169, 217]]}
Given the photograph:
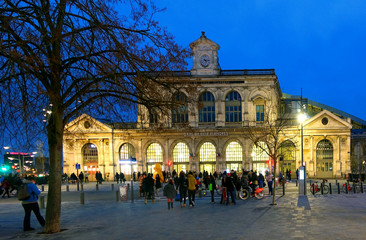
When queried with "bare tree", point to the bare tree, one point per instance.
{"points": [[268, 136], [79, 56]]}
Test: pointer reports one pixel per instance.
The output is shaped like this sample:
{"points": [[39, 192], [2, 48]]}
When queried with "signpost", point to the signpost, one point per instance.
{"points": [[77, 166]]}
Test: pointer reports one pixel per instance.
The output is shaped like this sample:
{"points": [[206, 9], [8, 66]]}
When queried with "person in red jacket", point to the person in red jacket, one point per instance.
{"points": [[6, 186]]}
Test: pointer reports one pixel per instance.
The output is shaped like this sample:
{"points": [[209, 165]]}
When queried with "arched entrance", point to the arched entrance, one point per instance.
{"points": [[126, 152], [90, 160], [234, 157], [260, 158], [288, 158], [324, 159], [180, 157], [208, 157]]}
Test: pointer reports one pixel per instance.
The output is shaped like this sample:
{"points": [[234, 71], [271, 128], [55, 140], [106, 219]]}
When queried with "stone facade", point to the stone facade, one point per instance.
{"points": [[215, 135]]}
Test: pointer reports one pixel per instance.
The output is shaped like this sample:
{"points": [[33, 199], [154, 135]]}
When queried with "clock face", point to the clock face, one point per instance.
{"points": [[205, 60]]}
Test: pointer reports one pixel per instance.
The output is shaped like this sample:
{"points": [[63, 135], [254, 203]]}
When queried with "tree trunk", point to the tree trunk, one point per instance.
{"points": [[55, 137], [274, 183]]}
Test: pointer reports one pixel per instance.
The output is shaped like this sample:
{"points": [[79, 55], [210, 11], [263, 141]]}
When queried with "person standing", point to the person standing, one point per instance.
{"points": [[148, 185], [182, 185], [269, 179], [212, 187], [86, 176], [117, 177], [31, 204], [191, 189], [81, 176], [230, 188], [157, 184], [170, 192]]}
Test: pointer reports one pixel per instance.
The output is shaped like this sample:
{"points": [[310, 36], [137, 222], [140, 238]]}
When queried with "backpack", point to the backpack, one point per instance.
{"points": [[23, 193]]}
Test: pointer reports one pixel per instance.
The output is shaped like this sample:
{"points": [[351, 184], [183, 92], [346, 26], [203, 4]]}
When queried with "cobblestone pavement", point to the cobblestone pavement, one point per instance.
{"points": [[294, 217]]}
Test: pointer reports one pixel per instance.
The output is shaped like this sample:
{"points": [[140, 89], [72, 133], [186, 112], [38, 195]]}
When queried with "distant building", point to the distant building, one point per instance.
{"points": [[212, 133]]}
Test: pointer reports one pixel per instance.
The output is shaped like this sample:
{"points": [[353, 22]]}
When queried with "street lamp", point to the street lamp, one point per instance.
{"points": [[301, 119]]}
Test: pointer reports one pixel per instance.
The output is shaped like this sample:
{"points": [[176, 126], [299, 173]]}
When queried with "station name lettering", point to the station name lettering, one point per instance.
{"points": [[206, 134]]}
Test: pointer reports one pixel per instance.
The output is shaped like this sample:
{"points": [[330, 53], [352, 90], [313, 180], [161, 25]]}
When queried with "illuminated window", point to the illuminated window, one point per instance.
{"points": [[260, 113], [207, 108], [258, 153], [324, 150], [234, 152], [126, 151], [180, 114], [154, 153], [90, 153], [207, 152], [181, 153], [233, 107]]}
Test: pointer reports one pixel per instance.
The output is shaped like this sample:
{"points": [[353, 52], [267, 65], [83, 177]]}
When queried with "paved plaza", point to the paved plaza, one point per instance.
{"points": [[333, 216]]}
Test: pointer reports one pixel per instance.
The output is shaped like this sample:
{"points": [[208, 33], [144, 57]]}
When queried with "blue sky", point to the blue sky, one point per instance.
{"points": [[316, 45]]}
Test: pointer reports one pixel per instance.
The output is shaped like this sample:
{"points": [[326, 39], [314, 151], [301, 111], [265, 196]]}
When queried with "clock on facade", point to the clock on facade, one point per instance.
{"points": [[205, 60]]}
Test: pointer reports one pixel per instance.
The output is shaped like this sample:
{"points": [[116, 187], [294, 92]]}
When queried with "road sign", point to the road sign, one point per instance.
{"points": [[77, 166]]}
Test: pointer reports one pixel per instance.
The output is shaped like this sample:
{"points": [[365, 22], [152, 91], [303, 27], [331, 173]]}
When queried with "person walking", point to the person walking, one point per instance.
{"points": [[182, 185], [191, 189], [31, 204], [6, 185], [148, 185], [230, 188], [170, 192]]}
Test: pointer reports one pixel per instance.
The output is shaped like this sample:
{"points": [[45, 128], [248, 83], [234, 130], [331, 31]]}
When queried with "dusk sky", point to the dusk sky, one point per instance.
{"points": [[318, 46]]}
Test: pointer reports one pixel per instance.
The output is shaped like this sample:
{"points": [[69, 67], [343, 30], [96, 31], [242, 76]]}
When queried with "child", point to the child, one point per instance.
{"points": [[170, 192]]}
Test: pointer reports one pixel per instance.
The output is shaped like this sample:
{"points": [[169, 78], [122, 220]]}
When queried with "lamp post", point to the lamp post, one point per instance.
{"points": [[302, 118]]}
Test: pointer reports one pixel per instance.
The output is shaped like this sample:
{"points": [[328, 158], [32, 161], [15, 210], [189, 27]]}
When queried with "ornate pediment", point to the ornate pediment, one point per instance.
{"points": [[326, 120], [86, 124]]}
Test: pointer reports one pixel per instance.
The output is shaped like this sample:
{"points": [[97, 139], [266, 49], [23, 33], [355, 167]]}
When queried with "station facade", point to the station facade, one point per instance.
{"points": [[212, 133]]}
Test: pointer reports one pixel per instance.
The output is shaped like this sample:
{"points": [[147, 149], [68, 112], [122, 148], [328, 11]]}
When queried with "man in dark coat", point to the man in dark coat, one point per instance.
{"points": [[230, 188], [148, 186], [182, 185]]}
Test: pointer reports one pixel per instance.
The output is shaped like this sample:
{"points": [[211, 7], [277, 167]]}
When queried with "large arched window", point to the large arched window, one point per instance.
{"points": [[126, 152], [154, 153], [180, 111], [180, 153], [207, 108], [259, 153], [207, 152], [287, 156], [234, 152], [324, 150], [90, 154], [233, 107]]}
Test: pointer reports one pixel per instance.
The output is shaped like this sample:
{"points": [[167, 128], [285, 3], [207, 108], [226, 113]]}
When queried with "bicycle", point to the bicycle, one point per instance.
{"points": [[244, 193], [348, 188], [314, 187]]}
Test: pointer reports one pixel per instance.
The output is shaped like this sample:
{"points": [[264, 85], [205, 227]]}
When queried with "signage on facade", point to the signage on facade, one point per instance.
{"points": [[206, 134]]}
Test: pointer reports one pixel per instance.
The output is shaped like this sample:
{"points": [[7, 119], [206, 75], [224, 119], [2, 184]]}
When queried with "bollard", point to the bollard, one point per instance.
{"points": [[77, 185], [82, 186], [42, 188], [200, 193], [354, 187], [112, 187], [82, 199], [283, 189], [361, 187], [347, 188], [117, 196], [339, 189], [321, 188], [96, 187], [67, 188], [330, 188], [336, 181], [313, 186], [297, 181], [41, 202]]}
